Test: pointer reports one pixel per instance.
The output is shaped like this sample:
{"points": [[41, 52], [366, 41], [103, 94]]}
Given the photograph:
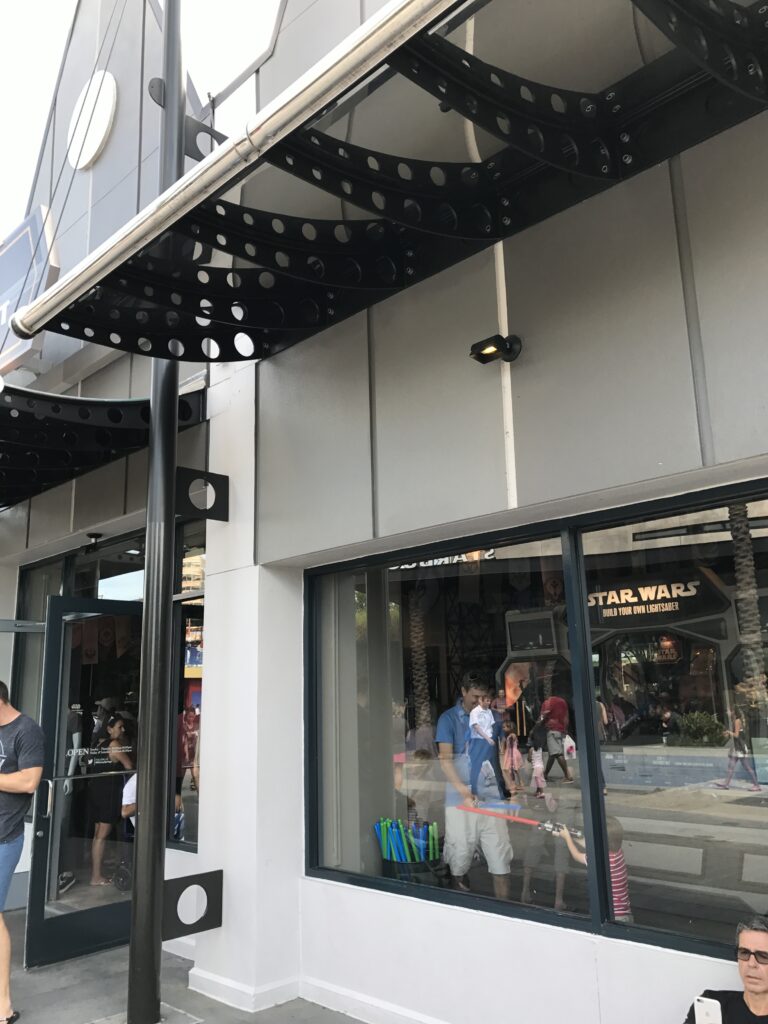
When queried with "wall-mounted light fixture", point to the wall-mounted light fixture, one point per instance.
{"points": [[497, 347]]}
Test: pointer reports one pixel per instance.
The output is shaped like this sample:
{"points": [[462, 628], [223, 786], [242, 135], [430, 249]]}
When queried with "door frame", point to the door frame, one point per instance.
{"points": [[61, 937]]}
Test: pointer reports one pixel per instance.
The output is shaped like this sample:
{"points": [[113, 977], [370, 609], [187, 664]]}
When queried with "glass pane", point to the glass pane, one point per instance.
{"points": [[111, 571], [679, 620], [187, 741], [37, 585], [447, 733], [193, 558], [95, 757]]}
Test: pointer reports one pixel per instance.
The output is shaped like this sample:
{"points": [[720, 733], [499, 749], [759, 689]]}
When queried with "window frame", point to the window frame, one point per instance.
{"points": [[570, 530]]}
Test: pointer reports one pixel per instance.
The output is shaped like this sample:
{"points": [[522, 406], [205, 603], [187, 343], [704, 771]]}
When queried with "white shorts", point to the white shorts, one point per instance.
{"points": [[466, 832]]}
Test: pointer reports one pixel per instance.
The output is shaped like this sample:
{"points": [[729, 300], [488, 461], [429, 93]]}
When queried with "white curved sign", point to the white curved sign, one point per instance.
{"points": [[92, 120]]}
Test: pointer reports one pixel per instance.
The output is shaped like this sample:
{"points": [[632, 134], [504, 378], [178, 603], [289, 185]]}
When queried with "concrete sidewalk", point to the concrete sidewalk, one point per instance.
{"points": [[93, 989]]}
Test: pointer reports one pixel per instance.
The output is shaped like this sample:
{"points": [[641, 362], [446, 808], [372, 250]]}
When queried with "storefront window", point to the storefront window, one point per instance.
{"points": [[449, 755], [37, 584], [678, 612]]}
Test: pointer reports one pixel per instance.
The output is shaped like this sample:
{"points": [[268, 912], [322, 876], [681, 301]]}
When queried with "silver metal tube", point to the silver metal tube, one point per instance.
{"points": [[344, 66]]}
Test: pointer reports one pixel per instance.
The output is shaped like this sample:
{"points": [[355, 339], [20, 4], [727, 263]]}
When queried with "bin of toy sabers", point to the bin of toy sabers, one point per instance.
{"points": [[410, 852]]}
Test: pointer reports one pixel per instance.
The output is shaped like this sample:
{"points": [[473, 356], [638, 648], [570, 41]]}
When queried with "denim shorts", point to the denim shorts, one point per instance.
{"points": [[9, 858]]}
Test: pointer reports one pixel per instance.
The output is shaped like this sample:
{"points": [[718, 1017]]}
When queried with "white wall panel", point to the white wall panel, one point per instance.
{"points": [[314, 471], [727, 209], [602, 393], [439, 431]]}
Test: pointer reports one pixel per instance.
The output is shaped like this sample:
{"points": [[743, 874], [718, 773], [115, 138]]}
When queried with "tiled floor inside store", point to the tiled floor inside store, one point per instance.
{"points": [[93, 989]]}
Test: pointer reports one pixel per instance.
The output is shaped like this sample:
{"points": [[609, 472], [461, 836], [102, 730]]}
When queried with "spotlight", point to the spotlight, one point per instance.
{"points": [[497, 347]]}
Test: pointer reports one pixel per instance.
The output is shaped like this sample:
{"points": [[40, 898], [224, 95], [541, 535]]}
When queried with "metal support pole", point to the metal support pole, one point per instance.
{"points": [[157, 624]]}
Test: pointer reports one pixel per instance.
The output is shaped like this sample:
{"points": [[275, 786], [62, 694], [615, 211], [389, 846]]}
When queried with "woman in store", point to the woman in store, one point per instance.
{"points": [[114, 755]]}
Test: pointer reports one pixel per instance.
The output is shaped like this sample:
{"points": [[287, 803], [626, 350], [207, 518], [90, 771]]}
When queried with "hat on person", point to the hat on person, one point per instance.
{"points": [[108, 703]]}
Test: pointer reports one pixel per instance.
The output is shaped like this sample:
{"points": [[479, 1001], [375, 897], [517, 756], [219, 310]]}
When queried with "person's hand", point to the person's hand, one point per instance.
{"points": [[67, 787], [179, 803]]}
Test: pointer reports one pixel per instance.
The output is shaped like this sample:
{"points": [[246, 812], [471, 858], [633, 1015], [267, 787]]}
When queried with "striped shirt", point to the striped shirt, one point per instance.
{"points": [[619, 883]]}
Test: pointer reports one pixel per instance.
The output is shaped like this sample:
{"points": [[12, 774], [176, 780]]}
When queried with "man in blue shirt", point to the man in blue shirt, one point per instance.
{"points": [[466, 831]]}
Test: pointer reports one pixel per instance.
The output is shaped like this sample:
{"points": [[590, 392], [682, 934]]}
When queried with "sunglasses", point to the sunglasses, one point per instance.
{"points": [[760, 955]]}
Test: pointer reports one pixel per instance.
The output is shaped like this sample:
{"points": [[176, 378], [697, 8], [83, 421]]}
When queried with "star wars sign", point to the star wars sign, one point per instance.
{"points": [[638, 603]]}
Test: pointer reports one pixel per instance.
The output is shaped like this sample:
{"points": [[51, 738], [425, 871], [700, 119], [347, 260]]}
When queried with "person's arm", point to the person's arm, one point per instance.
{"points": [[118, 753], [578, 855], [24, 781], [445, 753], [128, 810]]}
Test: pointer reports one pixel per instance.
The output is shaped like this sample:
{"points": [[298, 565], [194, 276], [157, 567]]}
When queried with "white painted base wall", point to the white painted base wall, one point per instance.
{"points": [[389, 959]]}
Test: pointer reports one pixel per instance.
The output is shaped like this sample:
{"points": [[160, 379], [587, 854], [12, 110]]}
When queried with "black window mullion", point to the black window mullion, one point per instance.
{"points": [[579, 641]]}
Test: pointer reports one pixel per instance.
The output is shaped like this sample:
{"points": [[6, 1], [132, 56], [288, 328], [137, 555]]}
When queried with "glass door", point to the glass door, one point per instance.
{"points": [[80, 880]]}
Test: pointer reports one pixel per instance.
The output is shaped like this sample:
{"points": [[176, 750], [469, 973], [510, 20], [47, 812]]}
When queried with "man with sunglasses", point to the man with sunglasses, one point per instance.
{"points": [[752, 956]]}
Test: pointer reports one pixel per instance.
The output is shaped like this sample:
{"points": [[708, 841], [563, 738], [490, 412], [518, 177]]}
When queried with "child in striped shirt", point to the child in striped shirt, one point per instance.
{"points": [[622, 909]]}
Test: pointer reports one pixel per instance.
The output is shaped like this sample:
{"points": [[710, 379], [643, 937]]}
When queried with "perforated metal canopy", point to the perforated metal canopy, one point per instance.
{"points": [[232, 281], [46, 440]]}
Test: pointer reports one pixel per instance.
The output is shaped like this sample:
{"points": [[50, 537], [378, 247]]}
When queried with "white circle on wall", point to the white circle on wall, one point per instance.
{"points": [[92, 120]]}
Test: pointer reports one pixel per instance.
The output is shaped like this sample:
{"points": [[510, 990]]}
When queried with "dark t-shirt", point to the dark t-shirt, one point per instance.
{"points": [[735, 1010], [22, 746]]}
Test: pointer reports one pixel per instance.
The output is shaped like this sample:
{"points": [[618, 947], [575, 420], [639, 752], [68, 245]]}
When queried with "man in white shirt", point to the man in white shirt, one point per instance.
{"points": [[129, 799]]}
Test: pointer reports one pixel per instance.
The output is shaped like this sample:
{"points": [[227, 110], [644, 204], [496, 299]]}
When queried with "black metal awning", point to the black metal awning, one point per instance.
{"points": [[244, 283], [46, 440]]}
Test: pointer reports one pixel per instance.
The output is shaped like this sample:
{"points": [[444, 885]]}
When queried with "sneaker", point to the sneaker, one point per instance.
{"points": [[66, 881], [754, 789]]}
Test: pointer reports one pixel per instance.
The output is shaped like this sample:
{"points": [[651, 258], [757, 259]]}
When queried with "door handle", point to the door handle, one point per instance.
{"points": [[49, 803]]}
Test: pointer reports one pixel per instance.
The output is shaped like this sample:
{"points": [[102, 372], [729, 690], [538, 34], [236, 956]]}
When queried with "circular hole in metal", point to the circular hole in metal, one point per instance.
{"points": [[373, 163], [755, 71], [352, 272], [503, 123], [278, 226], [88, 332], [317, 266], [234, 280], [470, 103], [203, 277], [309, 311], [221, 239], [412, 211], [172, 318], [250, 249], [469, 176], [346, 187], [248, 219], [210, 348], [266, 279], [64, 325], [84, 414], [672, 21], [375, 231], [114, 314], [343, 153], [446, 217], [195, 229], [238, 311], [289, 159], [197, 252], [283, 260], [202, 321], [317, 173], [442, 86], [437, 176], [149, 291], [203, 496], [587, 107], [535, 138], [570, 150], [495, 80], [115, 338], [386, 269], [527, 94], [145, 344], [309, 231], [558, 103], [56, 409], [176, 298], [404, 170], [379, 200], [342, 233], [244, 344], [114, 415], [175, 347]]}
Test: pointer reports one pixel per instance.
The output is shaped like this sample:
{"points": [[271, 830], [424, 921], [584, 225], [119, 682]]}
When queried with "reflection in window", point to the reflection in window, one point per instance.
{"points": [[447, 732], [184, 820], [677, 611]]}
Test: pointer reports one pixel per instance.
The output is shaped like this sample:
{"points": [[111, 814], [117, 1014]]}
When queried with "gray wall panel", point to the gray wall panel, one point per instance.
{"points": [[99, 496], [602, 394], [112, 381], [50, 515], [13, 530], [726, 199], [314, 477], [304, 40], [439, 429]]}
